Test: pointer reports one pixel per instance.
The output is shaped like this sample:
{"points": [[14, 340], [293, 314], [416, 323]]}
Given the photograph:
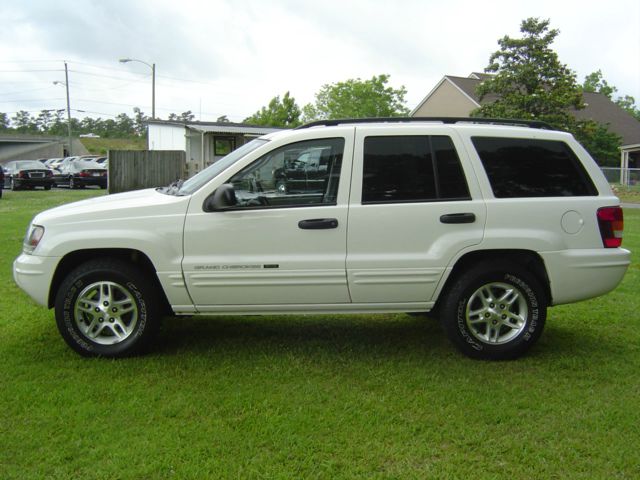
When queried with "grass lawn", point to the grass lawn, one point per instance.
{"points": [[331, 396], [628, 194], [101, 146]]}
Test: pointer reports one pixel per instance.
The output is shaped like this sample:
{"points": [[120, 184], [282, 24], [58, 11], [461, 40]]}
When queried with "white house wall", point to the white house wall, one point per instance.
{"points": [[167, 137]]}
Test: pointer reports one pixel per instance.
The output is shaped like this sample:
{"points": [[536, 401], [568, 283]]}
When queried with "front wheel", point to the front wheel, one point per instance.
{"points": [[107, 308], [494, 311]]}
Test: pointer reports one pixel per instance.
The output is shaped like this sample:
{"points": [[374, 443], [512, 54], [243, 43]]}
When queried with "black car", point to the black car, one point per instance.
{"points": [[305, 174], [21, 174], [81, 173], [1, 180]]}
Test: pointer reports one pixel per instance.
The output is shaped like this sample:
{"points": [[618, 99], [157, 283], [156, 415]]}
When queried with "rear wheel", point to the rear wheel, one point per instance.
{"points": [[494, 311], [47, 187], [107, 308]]}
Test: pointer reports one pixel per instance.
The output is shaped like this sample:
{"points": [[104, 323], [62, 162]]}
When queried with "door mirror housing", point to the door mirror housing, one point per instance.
{"points": [[223, 198]]}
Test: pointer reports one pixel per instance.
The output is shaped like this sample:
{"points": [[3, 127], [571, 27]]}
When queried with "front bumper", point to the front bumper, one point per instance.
{"points": [[33, 274], [576, 275]]}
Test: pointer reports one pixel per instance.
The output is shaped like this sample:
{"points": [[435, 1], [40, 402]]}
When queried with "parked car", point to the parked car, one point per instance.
{"points": [[1, 179], [483, 224], [52, 162], [20, 174], [101, 160], [80, 174]]}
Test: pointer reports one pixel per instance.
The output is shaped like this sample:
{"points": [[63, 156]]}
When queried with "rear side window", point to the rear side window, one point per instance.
{"points": [[519, 167], [411, 169]]}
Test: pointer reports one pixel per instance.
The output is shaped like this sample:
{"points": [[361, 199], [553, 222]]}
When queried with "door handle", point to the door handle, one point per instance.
{"points": [[318, 223], [458, 218]]}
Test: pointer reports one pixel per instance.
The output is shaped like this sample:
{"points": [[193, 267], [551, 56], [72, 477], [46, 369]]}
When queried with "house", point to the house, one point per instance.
{"points": [[456, 97], [203, 142]]}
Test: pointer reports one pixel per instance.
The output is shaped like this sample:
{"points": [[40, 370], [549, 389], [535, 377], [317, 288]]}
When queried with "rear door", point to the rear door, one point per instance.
{"points": [[414, 206]]}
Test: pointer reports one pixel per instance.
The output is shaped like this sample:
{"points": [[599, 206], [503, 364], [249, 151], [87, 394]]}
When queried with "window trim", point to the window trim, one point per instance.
{"points": [[574, 160], [434, 165], [293, 205]]}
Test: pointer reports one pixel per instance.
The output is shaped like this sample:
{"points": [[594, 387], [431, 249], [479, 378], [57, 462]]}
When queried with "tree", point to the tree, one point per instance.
{"points": [[529, 80], [139, 121], [279, 113], [222, 119], [595, 83], [4, 121], [23, 123], [356, 98]]}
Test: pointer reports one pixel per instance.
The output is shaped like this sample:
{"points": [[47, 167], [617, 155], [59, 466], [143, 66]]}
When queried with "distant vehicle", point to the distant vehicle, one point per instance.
{"points": [[89, 135], [1, 180], [81, 173], [27, 174], [52, 162]]}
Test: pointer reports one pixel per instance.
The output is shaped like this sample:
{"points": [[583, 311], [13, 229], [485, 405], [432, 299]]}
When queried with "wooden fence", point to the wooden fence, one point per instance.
{"points": [[137, 169]]}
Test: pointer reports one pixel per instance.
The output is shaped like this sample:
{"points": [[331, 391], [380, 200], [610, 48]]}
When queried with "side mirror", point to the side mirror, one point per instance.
{"points": [[222, 199]]}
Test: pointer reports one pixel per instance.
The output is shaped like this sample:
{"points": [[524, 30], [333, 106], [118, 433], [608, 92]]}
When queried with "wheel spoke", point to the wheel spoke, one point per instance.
{"points": [[95, 306], [519, 321], [509, 297]]}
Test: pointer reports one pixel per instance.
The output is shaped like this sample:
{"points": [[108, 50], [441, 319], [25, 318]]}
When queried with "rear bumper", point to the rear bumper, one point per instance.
{"points": [[86, 181], [576, 275], [33, 182]]}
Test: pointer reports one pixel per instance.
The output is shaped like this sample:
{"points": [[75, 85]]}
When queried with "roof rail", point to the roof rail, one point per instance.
{"points": [[446, 120]]}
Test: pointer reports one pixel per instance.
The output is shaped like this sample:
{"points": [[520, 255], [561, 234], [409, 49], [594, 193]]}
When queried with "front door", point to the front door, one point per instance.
{"points": [[277, 246]]}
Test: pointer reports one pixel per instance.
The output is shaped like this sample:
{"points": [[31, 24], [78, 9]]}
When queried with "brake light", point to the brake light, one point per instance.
{"points": [[611, 223], [49, 173], [22, 174], [83, 174]]}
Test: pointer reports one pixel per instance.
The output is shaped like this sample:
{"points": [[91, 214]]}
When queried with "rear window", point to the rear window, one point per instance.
{"points": [[521, 167]]}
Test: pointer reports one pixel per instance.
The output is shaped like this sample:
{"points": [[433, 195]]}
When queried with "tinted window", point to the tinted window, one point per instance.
{"points": [[301, 173], [519, 167], [411, 169]]}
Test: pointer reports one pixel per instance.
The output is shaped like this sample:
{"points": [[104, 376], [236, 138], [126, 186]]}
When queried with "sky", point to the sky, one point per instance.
{"points": [[230, 57]]}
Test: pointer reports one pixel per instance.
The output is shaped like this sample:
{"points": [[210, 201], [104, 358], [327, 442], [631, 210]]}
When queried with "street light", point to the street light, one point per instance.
{"points": [[152, 66], [66, 84]]}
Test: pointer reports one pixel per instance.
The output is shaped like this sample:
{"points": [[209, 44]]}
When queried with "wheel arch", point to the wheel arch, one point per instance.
{"points": [[528, 259], [135, 257]]}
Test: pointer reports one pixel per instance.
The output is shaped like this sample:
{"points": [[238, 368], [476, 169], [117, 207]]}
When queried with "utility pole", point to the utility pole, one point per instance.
{"points": [[66, 83], [153, 92]]}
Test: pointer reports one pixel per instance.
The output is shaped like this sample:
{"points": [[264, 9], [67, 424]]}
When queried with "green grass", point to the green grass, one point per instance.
{"points": [[628, 194], [334, 396], [101, 146]]}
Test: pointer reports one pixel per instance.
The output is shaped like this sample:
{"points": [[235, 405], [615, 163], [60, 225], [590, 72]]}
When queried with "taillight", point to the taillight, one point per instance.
{"points": [[611, 225], [49, 173], [22, 174], [84, 173]]}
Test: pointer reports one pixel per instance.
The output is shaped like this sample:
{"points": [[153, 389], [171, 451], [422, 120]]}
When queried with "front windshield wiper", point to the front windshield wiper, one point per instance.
{"points": [[172, 189]]}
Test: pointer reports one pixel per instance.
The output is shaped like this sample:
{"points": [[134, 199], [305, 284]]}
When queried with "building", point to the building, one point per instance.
{"points": [[456, 97], [203, 142]]}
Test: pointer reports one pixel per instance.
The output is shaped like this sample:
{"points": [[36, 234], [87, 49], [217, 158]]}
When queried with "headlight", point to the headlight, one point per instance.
{"points": [[32, 239]]}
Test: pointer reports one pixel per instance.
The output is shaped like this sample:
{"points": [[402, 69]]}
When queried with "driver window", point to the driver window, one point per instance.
{"points": [[299, 174]]}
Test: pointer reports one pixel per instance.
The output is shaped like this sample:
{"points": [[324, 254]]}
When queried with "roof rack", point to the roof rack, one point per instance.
{"points": [[445, 120]]}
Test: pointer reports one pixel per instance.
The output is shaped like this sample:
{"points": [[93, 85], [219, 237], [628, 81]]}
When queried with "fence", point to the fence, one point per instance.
{"points": [[137, 169], [629, 177]]}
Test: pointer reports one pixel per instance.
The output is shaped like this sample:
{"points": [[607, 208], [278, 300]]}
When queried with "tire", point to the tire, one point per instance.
{"points": [[494, 311], [47, 187], [12, 185], [107, 308]]}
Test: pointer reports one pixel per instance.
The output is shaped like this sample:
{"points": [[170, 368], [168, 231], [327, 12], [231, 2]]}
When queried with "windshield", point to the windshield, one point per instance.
{"points": [[198, 180]]}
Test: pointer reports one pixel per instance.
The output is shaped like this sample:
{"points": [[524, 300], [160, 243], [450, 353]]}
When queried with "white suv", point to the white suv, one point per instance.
{"points": [[485, 224]]}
